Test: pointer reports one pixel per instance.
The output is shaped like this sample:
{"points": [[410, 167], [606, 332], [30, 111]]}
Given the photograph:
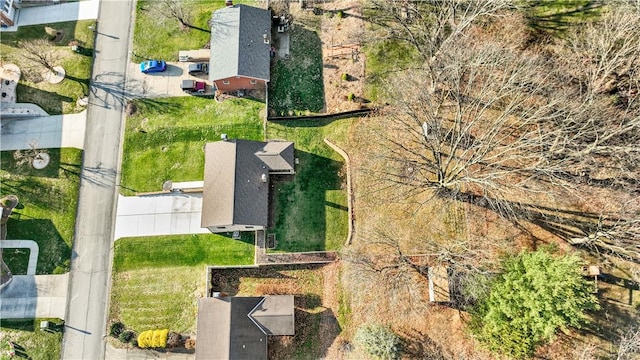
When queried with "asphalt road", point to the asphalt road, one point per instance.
{"points": [[88, 298]]}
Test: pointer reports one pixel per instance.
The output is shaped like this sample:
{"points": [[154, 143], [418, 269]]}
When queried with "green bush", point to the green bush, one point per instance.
{"points": [[351, 97], [340, 14], [126, 336], [345, 76], [378, 341], [536, 295], [116, 329]]}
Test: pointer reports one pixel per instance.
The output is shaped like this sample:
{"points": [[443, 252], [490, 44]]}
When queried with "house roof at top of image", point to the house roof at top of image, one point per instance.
{"points": [[237, 327], [237, 43], [235, 190]]}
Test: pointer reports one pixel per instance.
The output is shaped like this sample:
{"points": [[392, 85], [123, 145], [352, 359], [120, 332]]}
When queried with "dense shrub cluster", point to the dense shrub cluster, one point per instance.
{"points": [[153, 338], [379, 341]]}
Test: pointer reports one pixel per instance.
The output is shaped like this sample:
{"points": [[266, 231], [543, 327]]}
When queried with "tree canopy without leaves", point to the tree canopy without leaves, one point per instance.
{"points": [[39, 51], [536, 295]]}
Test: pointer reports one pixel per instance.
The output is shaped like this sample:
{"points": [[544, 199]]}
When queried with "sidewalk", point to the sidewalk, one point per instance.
{"points": [[140, 354], [80, 10]]}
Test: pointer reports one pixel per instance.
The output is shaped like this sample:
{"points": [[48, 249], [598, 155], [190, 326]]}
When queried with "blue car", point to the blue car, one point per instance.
{"points": [[152, 66]]}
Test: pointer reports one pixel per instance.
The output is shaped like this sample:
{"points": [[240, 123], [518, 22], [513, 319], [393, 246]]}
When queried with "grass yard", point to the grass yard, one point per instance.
{"points": [[384, 58], [157, 280], [160, 36], [36, 344], [164, 139], [296, 83], [53, 98], [47, 209], [310, 212], [184, 250]]}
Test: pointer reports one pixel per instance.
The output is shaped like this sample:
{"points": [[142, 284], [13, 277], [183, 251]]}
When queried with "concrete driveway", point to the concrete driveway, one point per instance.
{"points": [[48, 132], [35, 296], [164, 84], [162, 214]]}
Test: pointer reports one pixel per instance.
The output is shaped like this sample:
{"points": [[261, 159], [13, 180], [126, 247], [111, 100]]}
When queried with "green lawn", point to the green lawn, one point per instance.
{"points": [[296, 83], [157, 280], [53, 98], [184, 250], [38, 345], [310, 212], [47, 209], [164, 140], [157, 35], [384, 58]]}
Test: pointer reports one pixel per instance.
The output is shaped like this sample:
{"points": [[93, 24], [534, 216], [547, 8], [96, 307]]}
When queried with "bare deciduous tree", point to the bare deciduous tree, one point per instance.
{"points": [[179, 10], [428, 26], [40, 52], [606, 52], [475, 129], [629, 345]]}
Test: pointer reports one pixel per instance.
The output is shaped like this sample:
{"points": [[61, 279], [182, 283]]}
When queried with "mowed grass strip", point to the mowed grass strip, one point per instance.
{"points": [[311, 212], [157, 298], [47, 209], [181, 250], [158, 35], [157, 280], [164, 139], [53, 98]]}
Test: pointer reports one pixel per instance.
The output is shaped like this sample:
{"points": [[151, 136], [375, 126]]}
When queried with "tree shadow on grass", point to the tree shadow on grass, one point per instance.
{"points": [[554, 17], [49, 101], [10, 165]]}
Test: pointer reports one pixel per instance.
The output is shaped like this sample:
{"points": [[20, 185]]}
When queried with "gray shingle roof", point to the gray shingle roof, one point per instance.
{"points": [[234, 190], [237, 43], [234, 327]]}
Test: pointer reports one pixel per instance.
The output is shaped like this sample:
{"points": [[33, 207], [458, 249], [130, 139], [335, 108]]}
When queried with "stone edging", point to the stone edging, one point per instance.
{"points": [[349, 189]]}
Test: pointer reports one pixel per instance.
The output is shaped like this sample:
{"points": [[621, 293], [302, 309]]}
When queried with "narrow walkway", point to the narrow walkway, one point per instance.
{"points": [[48, 132], [24, 244], [73, 11]]}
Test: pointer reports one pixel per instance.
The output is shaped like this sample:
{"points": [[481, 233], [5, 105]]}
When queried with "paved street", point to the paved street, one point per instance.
{"points": [[91, 256]]}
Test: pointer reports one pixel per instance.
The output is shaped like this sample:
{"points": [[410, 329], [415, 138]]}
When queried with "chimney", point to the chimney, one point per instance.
{"points": [[228, 3]]}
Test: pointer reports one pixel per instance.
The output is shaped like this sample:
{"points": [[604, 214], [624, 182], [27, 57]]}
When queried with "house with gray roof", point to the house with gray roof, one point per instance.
{"points": [[240, 46], [237, 327], [236, 182]]}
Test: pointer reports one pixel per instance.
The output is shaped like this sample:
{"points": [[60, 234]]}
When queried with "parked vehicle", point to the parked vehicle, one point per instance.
{"points": [[153, 66], [198, 68], [193, 86]]}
